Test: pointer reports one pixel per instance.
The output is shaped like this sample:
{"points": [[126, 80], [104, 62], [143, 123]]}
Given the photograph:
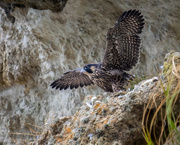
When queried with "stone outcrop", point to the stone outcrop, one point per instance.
{"points": [[10, 5], [53, 5], [117, 120], [40, 45]]}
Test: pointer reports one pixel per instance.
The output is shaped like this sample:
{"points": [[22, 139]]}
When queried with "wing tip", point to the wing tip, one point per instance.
{"points": [[54, 84], [137, 15]]}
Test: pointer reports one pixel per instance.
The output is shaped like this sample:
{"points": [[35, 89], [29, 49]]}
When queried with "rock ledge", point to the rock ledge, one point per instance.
{"points": [[114, 120]]}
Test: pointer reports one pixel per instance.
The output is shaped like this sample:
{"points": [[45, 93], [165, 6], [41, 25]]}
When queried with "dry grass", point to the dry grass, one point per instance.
{"points": [[163, 111], [34, 132]]}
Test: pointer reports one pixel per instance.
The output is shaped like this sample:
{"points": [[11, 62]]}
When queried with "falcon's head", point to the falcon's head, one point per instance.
{"points": [[89, 68]]}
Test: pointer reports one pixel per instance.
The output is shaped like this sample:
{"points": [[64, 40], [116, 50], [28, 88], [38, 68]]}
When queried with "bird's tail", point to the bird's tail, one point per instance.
{"points": [[121, 83], [128, 77]]}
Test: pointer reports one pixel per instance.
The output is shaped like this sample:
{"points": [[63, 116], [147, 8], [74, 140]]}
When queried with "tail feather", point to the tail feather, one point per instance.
{"points": [[121, 83]]}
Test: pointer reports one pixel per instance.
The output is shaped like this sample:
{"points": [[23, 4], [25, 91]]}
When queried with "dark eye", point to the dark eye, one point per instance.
{"points": [[85, 67]]}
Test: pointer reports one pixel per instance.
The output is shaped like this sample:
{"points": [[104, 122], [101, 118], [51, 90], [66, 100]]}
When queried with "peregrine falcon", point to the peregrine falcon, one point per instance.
{"points": [[122, 54]]}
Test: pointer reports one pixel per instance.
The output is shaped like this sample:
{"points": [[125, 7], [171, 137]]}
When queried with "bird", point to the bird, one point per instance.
{"points": [[122, 53]]}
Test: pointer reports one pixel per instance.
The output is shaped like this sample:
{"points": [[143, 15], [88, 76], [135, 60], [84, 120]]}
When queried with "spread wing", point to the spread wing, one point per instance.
{"points": [[72, 79], [123, 42]]}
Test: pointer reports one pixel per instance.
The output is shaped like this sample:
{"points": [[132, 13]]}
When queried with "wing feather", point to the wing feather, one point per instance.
{"points": [[123, 42], [72, 79], [81, 83]]}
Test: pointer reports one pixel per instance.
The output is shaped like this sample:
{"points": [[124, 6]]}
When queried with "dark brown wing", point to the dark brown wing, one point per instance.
{"points": [[72, 79], [123, 43]]}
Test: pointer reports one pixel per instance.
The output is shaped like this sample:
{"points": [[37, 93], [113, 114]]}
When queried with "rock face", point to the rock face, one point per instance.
{"points": [[40, 45], [53, 5]]}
